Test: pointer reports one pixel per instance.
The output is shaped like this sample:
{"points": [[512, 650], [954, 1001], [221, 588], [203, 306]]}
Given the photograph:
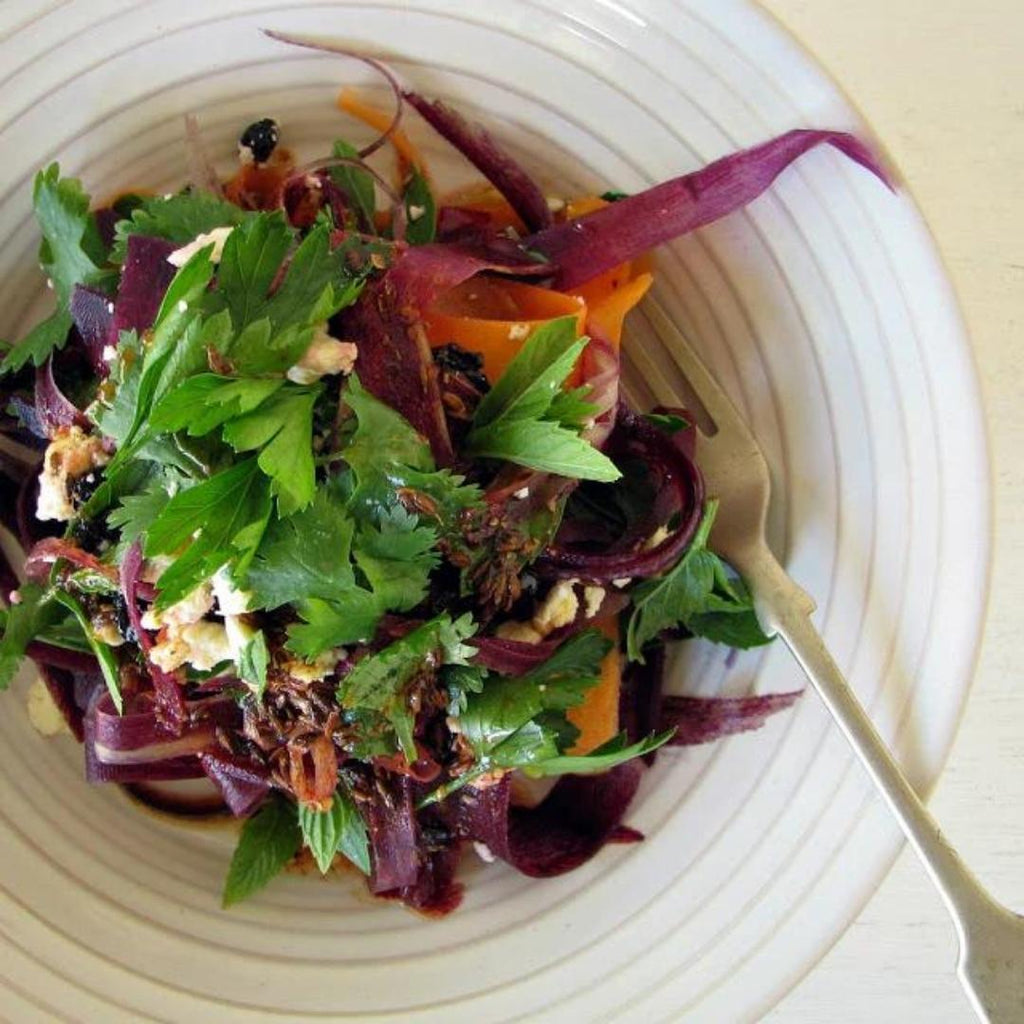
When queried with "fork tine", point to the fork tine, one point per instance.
{"points": [[717, 404]]}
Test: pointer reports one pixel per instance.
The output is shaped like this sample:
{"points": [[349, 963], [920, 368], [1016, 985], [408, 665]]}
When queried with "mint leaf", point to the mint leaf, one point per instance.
{"points": [[528, 386], [349, 617], [23, 622], [543, 446], [104, 654], [339, 829], [699, 593], [521, 418], [268, 841], [420, 210], [230, 510], [357, 185], [179, 218], [378, 682], [253, 660], [304, 556], [616, 751]]}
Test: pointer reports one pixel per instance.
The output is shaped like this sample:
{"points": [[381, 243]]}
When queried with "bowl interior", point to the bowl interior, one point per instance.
{"points": [[822, 310]]}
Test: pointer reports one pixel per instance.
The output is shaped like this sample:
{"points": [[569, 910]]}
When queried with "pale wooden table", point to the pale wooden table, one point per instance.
{"points": [[942, 84]]}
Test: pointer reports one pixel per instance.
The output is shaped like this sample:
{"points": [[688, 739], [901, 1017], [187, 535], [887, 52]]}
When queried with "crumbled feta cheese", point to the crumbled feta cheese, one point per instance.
{"points": [[230, 600], [558, 609], [555, 205], [182, 306], [109, 353], [49, 283], [217, 237], [110, 307], [154, 567], [593, 598], [483, 851], [521, 631], [201, 644], [43, 713], [324, 357], [518, 332], [313, 671], [659, 535], [523, 492], [415, 212], [70, 455], [14, 597], [106, 631], [240, 632], [189, 609], [622, 582]]}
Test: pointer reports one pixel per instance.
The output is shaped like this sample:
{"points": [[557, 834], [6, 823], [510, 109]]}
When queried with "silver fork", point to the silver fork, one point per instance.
{"points": [[991, 961]]}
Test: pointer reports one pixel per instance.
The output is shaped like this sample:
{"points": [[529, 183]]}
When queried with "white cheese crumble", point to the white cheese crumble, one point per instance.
{"points": [[558, 609], [110, 307], [313, 671], [622, 582], [43, 713], [518, 332], [182, 306], [217, 237], [189, 609], [521, 631], [109, 353], [555, 205], [70, 455], [656, 538], [230, 599], [324, 357], [483, 851], [201, 644], [415, 212], [523, 492], [593, 598]]}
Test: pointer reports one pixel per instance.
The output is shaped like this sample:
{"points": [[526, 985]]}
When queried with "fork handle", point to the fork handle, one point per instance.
{"points": [[785, 609]]}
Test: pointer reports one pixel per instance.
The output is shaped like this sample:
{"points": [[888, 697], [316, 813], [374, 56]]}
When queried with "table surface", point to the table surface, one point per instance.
{"points": [[942, 84]]}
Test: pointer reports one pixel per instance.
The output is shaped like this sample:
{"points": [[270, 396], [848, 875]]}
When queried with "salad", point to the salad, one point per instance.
{"points": [[327, 495]]}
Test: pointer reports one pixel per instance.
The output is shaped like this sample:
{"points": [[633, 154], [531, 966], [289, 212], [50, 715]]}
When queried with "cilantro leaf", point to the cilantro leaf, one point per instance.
{"points": [[339, 829], [249, 264], [71, 252], [281, 428], [179, 218], [22, 623], [207, 400], [420, 210], [230, 510], [349, 617], [699, 593], [386, 454], [379, 681], [396, 558], [522, 418], [269, 839], [507, 703], [304, 556]]}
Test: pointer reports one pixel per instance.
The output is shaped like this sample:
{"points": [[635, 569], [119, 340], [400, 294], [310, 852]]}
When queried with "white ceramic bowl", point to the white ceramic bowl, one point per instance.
{"points": [[823, 310]]}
